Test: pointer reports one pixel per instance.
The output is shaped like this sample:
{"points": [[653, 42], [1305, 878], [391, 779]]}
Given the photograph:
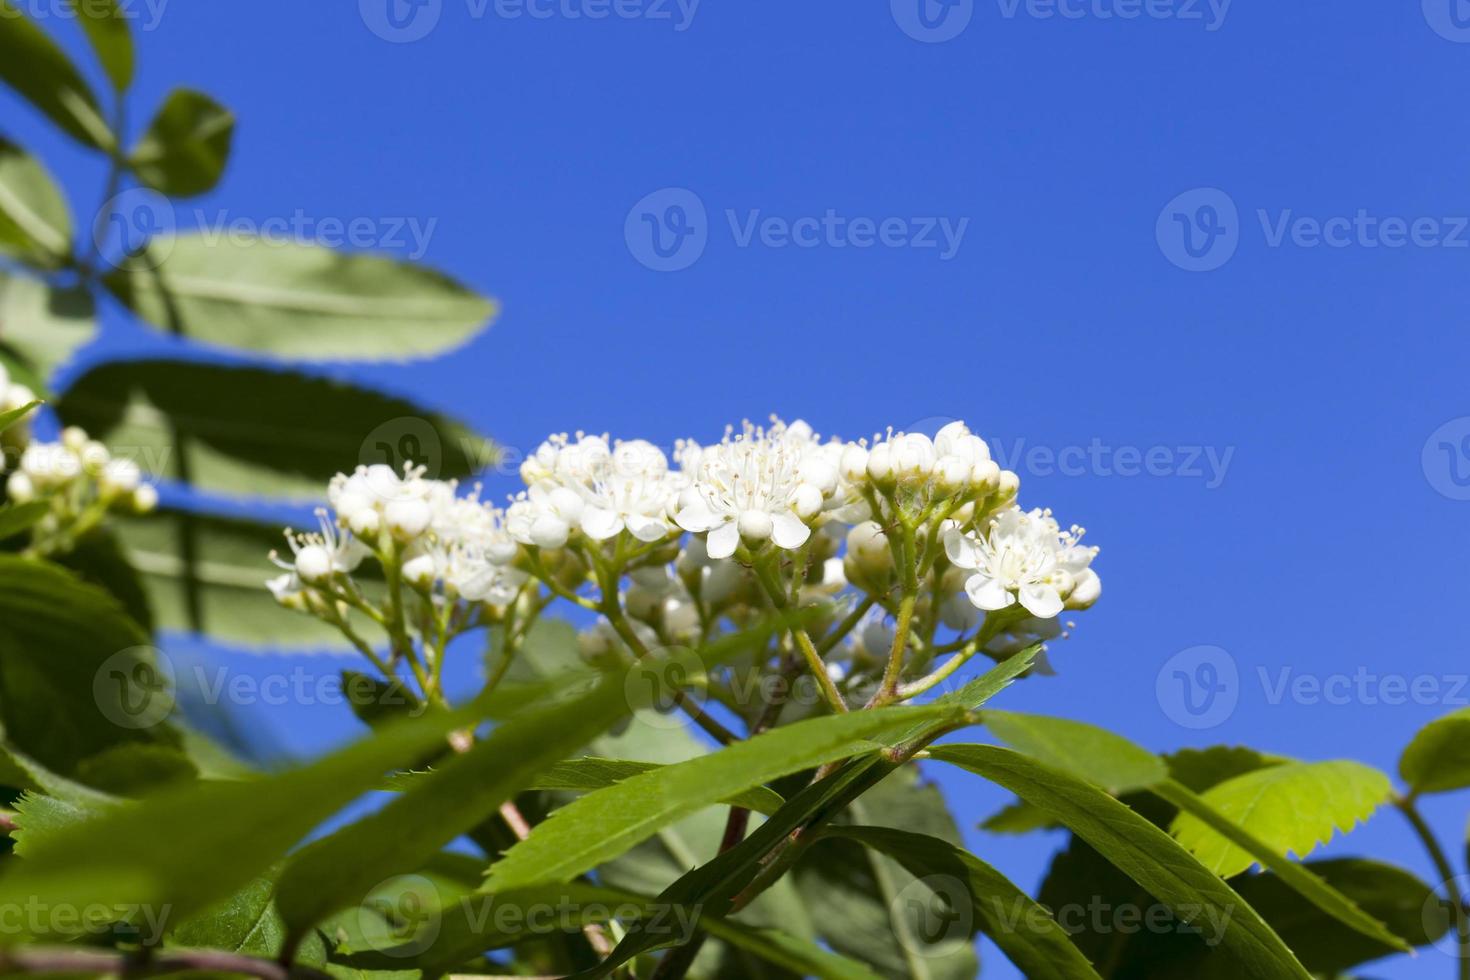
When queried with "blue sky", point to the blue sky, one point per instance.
{"points": [[1200, 272]]}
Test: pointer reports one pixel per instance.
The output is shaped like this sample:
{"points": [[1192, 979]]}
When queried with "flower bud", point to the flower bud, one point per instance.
{"points": [[314, 564], [755, 525], [913, 456], [868, 547], [1009, 483], [549, 531], [119, 476], [854, 463], [420, 572], [880, 464], [407, 519], [807, 501], [74, 437], [20, 489], [952, 473], [145, 498], [1085, 590], [365, 522]]}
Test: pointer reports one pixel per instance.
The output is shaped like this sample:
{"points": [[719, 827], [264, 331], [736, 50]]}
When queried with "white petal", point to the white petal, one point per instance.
{"points": [[722, 541], [788, 531], [987, 593], [698, 517], [1041, 600], [961, 549], [646, 528], [599, 524]]}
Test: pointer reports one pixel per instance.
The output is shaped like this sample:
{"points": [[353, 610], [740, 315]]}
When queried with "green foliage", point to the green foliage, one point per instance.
{"points": [[1108, 760], [35, 223], [44, 324], [1292, 808], [186, 147], [1438, 758], [33, 65], [285, 298], [107, 30]]}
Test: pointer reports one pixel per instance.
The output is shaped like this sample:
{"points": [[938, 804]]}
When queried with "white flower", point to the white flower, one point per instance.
{"points": [[1023, 557], [50, 465], [316, 557], [633, 490], [746, 486], [544, 515]]}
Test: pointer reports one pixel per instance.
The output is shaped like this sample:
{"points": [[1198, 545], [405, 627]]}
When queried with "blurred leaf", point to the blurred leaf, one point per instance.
{"points": [[603, 824], [805, 958], [35, 223], [136, 770], [260, 433], [33, 65], [1145, 853], [232, 831], [1018, 817], [99, 559], [184, 151], [1096, 754], [1023, 930], [1290, 808], [106, 26], [339, 870], [229, 579], [41, 819], [20, 771], [376, 701], [1317, 893], [858, 899], [62, 641], [45, 325], [1438, 759], [289, 299], [15, 518], [7, 419]]}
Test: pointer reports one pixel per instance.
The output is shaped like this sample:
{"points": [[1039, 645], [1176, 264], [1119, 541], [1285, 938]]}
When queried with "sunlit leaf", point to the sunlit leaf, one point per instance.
{"points": [[187, 145], [35, 222], [1438, 759], [33, 65]]}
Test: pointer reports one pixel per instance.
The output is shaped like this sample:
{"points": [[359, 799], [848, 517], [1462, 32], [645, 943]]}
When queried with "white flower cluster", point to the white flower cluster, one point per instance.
{"points": [[889, 542], [79, 471], [423, 528]]}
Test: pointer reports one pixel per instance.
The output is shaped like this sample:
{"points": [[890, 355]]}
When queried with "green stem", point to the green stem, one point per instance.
{"points": [[1446, 872], [803, 639]]}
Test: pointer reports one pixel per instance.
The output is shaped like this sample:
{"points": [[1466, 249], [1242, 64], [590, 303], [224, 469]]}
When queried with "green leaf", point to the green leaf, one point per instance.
{"points": [[869, 907], [235, 830], [1324, 898], [603, 824], [1142, 851], [1290, 808], [246, 433], [1018, 817], [1111, 761], [41, 819], [106, 26], [376, 701], [1438, 759], [227, 581], [33, 65], [7, 419], [1200, 769], [339, 870], [20, 771], [45, 325], [136, 770], [287, 299], [1023, 930], [774, 946], [246, 922], [35, 223], [62, 645], [16, 518], [185, 150], [590, 773], [100, 560]]}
